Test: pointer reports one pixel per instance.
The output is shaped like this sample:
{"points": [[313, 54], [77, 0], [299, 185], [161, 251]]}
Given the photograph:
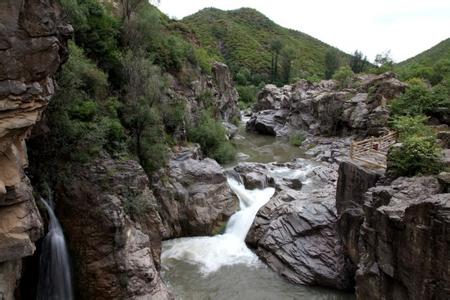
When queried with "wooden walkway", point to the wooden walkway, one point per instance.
{"points": [[373, 151]]}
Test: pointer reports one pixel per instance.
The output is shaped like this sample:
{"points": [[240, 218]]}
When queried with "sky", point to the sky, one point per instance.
{"points": [[405, 27]]}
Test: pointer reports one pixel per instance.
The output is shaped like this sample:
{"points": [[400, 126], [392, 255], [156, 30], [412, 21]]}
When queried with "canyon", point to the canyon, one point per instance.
{"points": [[295, 221]]}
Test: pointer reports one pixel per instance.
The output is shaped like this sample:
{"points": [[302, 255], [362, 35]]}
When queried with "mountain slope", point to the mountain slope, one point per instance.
{"points": [[431, 56], [242, 38]]}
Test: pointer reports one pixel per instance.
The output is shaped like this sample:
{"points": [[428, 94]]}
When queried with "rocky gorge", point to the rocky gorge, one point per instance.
{"points": [[197, 229]]}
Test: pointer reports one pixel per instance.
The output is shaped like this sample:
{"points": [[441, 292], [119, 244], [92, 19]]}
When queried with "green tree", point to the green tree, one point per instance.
{"points": [[143, 89], [332, 62], [287, 56], [384, 62], [275, 46], [358, 62]]}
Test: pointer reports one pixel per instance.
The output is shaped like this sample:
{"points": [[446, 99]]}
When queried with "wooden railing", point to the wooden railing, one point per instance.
{"points": [[373, 150]]}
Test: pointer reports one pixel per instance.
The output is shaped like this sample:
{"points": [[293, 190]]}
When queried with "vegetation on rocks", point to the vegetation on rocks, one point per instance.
{"points": [[211, 136], [418, 152], [244, 38]]}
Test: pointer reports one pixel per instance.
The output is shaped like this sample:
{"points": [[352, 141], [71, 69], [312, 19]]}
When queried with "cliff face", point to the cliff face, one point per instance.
{"points": [[110, 218], [326, 109], [33, 37], [396, 236]]}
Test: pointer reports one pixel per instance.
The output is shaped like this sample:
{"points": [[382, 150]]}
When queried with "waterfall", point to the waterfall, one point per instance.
{"points": [[55, 280], [211, 253]]}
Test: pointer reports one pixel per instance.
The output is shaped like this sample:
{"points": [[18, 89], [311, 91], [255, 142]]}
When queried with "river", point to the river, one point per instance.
{"points": [[222, 266]]}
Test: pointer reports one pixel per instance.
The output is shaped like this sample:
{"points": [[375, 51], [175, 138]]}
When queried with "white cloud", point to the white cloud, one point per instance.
{"points": [[406, 27]]}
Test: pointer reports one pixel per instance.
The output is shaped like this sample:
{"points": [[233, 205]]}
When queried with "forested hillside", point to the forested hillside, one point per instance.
{"points": [[246, 39]]}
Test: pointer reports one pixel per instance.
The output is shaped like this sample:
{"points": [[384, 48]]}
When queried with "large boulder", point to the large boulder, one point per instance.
{"points": [[269, 122], [295, 232], [194, 196], [33, 36], [113, 230]]}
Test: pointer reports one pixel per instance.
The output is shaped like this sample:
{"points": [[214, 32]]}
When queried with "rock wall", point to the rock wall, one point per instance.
{"points": [[202, 91], [326, 109], [113, 227], [396, 236], [33, 35], [193, 195]]}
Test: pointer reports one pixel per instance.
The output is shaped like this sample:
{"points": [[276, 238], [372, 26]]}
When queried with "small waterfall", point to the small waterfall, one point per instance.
{"points": [[55, 282], [211, 253]]}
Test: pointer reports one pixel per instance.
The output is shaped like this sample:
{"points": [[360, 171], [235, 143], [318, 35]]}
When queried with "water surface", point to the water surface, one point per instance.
{"points": [[222, 266]]}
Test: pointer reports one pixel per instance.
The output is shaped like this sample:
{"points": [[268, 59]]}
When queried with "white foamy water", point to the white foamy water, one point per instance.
{"points": [[211, 253]]}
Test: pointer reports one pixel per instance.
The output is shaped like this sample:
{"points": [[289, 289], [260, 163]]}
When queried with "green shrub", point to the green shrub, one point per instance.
{"points": [[344, 76], [84, 111], [211, 136], [419, 153], [296, 139], [247, 94], [173, 115], [420, 99]]}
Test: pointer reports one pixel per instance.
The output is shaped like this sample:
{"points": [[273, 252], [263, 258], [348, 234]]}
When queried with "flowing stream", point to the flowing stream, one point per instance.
{"points": [[55, 282], [222, 266]]}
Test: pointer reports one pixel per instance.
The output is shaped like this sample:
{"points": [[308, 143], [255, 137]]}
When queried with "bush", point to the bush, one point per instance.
{"points": [[211, 135], [84, 110], [420, 99], [344, 76], [247, 94], [419, 153], [173, 115], [296, 139]]}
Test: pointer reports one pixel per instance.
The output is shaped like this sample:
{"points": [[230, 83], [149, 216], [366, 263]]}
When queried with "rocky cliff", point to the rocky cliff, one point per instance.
{"points": [[33, 35], [113, 227], [295, 232], [326, 109], [396, 236]]}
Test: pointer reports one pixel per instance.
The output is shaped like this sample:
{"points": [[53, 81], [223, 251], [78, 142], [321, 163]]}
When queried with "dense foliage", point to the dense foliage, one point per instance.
{"points": [[418, 153], [112, 94], [211, 136], [245, 38]]}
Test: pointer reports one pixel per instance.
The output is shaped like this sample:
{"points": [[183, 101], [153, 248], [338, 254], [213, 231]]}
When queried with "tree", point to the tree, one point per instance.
{"points": [[331, 62], [275, 46], [358, 62], [143, 89], [131, 6], [384, 61], [287, 56]]}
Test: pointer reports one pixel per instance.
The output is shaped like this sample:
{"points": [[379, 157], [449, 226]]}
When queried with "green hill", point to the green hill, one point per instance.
{"points": [[242, 38], [431, 56], [433, 65]]}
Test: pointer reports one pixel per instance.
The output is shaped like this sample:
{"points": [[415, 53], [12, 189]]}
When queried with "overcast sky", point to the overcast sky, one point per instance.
{"points": [[406, 27]]}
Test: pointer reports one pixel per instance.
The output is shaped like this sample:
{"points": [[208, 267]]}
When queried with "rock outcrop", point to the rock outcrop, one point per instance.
{"points": [[204, 91], [111, 220], [193, 195], [396, 236], [295, 232], [325, 109], [226, 95], [33, 37]]}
